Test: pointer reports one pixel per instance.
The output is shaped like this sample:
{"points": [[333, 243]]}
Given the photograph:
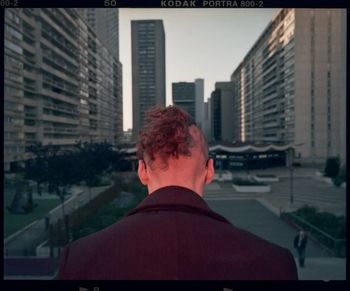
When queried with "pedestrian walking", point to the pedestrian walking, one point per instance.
{"points": [[300, 242]]}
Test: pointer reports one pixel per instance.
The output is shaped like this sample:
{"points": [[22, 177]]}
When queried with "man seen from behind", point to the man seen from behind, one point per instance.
{"points": [[173, 234]]}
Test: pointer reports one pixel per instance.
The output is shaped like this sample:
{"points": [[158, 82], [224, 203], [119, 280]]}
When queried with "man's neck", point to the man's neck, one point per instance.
{"points": [[186, 184]]}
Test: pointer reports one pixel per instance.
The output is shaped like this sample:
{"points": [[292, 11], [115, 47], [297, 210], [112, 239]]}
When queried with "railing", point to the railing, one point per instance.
{"points": [[338, 246]]}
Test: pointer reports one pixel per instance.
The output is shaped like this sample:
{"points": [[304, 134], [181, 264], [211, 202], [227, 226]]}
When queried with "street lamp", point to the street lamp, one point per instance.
{"points": [[291, 183], [292, 173]]}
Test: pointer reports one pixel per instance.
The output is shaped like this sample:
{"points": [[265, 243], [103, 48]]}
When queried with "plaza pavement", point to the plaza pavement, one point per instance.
{"points": [[259, 214]]}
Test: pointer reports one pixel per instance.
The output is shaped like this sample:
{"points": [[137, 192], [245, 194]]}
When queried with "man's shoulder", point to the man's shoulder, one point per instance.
{"points": [[97, 238]]}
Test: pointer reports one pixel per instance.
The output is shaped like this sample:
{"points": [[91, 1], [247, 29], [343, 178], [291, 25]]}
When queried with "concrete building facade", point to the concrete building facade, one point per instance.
{"points": [[206, 120], [184, 96], [291, 85], [199, 97], [105, 23], [148, 68], [190, 97], [61, 83]]}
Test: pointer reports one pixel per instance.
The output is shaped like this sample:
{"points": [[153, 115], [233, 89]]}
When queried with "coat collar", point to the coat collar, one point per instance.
{"points": [[176, 198]]}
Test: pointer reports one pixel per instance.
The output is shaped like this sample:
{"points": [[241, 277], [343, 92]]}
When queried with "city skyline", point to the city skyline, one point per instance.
{"points": [[216, 34]]}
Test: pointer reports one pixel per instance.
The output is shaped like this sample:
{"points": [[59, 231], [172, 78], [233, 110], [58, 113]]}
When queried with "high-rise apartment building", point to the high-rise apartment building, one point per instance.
{"points": [[291, 85], [105, 23], [61, 83], [222, 117], [148, 68]]}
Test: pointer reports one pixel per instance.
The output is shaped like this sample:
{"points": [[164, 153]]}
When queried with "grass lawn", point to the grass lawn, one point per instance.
{"points": [[14, 222]]}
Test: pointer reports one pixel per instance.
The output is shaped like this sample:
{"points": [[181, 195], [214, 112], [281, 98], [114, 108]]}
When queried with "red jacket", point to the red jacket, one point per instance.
{"points": [[173, 235]]}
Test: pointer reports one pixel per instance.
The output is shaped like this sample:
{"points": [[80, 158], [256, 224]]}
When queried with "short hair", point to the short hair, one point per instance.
{"points": [[165, 134]]}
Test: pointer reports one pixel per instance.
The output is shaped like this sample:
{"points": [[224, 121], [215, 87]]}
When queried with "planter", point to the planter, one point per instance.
{"points": [[252, 188], [222, 177], [266, 178]]}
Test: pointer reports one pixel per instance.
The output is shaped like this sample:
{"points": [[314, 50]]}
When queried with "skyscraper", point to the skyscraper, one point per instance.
{"points": [[148, 68], [199, 85], [222, 118]]}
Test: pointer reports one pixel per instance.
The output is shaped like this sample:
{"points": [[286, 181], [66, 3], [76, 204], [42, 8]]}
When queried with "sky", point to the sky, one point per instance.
{"points": [[199, 43]]}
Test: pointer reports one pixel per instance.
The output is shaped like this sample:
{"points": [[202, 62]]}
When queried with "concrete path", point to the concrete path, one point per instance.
{"points": [[259, 214], [254, 217]]}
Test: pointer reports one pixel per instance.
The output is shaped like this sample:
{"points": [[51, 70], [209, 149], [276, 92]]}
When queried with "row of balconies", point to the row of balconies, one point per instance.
{"points": [[45, 45], [60, 62], [61, 108], [60, 130], [61, 86], [60, 43], [59, 19], [60, 119], [57, 30]]}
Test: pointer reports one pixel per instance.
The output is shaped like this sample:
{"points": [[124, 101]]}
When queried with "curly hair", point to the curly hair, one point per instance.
{"points": [[165, 134]]}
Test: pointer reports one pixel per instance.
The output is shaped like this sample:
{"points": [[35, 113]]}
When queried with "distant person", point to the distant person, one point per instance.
{"points": [[300, 242], [173, 234]]}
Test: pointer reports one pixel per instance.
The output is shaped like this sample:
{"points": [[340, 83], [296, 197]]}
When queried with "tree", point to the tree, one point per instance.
{"points": [[332, 167], [37, 168], [341, 177], [93, 159], [22, 202]]}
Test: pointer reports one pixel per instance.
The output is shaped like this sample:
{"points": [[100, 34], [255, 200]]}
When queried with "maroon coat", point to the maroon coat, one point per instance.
{"points": [[174, 235]]}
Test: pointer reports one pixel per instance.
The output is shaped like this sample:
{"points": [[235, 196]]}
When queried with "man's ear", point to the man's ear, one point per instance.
{"points": [[142, 172], [210, 171]]}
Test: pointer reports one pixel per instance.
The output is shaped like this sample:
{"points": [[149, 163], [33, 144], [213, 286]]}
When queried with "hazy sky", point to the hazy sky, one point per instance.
{"points": [[200, 43]]}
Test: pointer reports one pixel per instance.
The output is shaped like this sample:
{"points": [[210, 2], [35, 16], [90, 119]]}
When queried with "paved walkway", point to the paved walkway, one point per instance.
{"points": [[258, 213], [25, 241], [307, 190]]}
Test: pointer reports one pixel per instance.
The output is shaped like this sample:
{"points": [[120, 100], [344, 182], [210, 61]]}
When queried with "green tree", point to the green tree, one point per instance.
{"points": [[93, 160], [332, 167], [37, 168], [341, 177]]}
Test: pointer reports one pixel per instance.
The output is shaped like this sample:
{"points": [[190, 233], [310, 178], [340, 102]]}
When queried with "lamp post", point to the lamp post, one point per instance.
{"points": [[291, 155], [291, 183], [292, 173]]}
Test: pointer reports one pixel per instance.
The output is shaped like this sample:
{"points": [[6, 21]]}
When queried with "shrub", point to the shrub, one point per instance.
{"points": [[329, 223], [341, 177], [111, 213], [332, 167]]}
